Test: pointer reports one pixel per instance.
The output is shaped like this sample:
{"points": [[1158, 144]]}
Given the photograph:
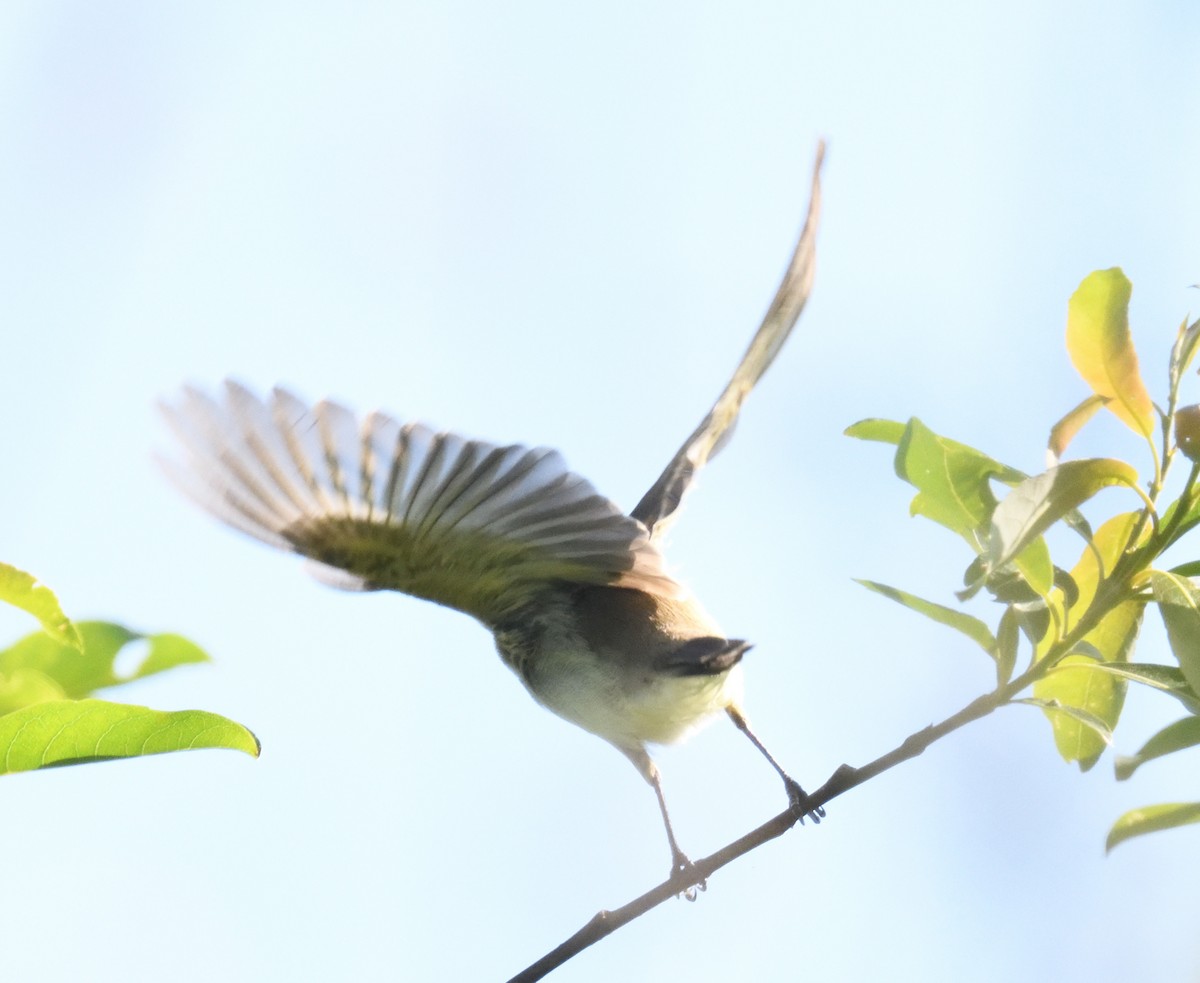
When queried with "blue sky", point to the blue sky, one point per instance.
{"points": [[556, 225]]}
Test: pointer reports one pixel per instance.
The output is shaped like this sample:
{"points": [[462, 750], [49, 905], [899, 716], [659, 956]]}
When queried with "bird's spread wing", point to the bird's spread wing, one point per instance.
{"points": [[380, 505], [659, 504]]}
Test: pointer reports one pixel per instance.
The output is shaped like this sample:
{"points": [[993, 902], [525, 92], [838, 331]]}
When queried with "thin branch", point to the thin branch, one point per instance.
{"points": [[604, 923], [846, 777]]}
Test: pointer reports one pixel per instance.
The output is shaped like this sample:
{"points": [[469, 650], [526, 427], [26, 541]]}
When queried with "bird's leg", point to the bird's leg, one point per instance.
{"points": [[680, 864], [797, 797]]}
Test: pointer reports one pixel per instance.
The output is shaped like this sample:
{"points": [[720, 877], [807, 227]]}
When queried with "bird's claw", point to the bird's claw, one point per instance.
{"points": [[683, 869], [799, 801]]}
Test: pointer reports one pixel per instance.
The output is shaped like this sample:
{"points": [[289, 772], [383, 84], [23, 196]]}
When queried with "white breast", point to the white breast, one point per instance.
{"points": [[627, 705]]}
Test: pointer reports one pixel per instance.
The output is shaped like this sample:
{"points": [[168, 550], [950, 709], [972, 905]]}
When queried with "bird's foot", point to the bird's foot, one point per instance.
{"points": [[686, 872], [799, 801]]}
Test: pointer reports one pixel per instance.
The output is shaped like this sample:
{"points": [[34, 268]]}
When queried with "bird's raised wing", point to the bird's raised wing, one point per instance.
{"points": [[659, 504], [380, 505]]}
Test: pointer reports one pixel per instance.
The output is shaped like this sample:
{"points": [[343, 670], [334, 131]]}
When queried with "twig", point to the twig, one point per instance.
{"points": [[604, 923]]}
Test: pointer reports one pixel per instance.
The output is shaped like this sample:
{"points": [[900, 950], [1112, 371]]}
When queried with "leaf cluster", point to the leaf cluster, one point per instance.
{"points": [[48, 714], [1063, 639]]}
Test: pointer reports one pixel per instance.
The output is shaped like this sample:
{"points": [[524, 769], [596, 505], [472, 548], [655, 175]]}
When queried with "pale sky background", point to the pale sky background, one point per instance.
{"points": [[559, 224]]}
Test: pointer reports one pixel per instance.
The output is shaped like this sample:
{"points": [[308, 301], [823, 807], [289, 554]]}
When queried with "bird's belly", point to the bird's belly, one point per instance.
{"points": [[629, 706]]}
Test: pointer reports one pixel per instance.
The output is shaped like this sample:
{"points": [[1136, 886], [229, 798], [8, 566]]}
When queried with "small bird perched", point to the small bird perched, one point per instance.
{"points": [[575, 592]]}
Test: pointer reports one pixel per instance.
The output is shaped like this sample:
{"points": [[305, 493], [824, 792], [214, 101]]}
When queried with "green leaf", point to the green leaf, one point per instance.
{"points": [[882, 431], [1191, 517], [25, 687], [1089, 720], [1102, 351], [1112, 639], [1174, 737], [67, 732], [1100, 557], [1063, 432], [970, 626], [1038, 502], [1183, 351], [951, 480], [22, 590], [1179, 603], [1008, 637], [1166, 679], [1151, 819], [1189, 569], [1102, 696], [81, 673], [1082, 706]]}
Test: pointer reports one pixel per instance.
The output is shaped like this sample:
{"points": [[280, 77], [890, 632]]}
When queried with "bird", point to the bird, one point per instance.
{"points": [[576, 592]]}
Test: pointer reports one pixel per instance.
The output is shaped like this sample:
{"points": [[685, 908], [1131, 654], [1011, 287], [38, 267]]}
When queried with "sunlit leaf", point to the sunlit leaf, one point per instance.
{"points": [[893, 432], [1063, 432], [82, 673], [1190, 569], [1089, 720], [1174, 737], [953, 489], [883, 431], [22, 590], [1038, 502], [1152, 819], [1008, 637], [951, 480], [1099, 559], [1082, 706], [1166, 679], [1179, 603], [1102, 351], [67, 732], [1184, 351], [24, 687], [970, 626], [1189, 521], [1114, 636]]}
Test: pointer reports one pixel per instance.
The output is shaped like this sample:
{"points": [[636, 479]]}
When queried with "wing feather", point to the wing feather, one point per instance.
{"points": [[659, 505], [380, 505]]}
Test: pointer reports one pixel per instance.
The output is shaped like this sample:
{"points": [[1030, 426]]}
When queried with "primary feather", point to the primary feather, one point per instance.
{"points": [[381, 505], [659, 505]]}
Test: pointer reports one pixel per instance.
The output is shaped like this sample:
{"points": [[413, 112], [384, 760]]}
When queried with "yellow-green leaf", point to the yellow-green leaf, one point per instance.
{"points": [[1179, 603], [1063, 432], [24, 687], [1038, 502], [1165, 679], [1100, 557], [969, 625], [1082, 706], [951, 480], [1151, 819], [1174, 737], [1186, 343], [22, 590], [1102, 351], [873, 428], [81, 673], [66, 732]]}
